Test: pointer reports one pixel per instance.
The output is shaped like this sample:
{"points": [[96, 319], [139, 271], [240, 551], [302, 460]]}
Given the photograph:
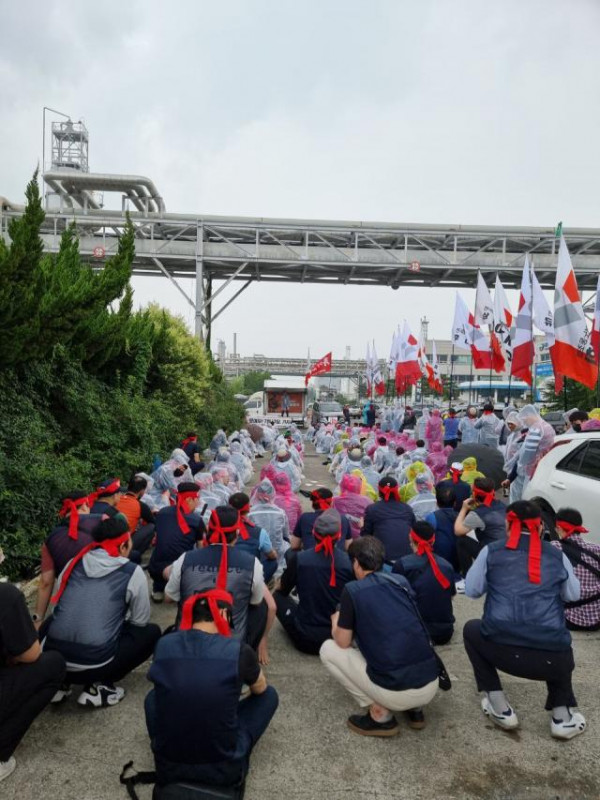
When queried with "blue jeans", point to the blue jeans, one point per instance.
{"points": [[254, 715]]}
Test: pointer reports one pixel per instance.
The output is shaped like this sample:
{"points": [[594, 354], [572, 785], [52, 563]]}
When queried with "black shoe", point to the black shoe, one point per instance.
{"points": [[367, 726], [416, 718]]}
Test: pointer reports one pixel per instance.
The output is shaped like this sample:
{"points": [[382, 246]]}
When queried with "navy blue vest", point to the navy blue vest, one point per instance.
{"points": [[252, 544], [445, 538], [434, 602], [494, 518], [87, 622], [521, 613], [171, 542], [391, 523], [389, 633], [199, 574], [197, 684], [306, 523], [318, 600]]}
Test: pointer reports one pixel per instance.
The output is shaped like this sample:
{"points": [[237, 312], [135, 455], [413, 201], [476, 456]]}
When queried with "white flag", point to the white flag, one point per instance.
{"points": [[543, 316], [503, 318], [484, 307], [461, 330]]}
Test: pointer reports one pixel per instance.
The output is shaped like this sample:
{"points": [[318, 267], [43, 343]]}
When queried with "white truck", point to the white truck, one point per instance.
{"points": [[278, 394]]}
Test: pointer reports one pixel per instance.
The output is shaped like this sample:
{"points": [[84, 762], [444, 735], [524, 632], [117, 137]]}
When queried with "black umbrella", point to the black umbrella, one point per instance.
{"points": [[489, 460]]}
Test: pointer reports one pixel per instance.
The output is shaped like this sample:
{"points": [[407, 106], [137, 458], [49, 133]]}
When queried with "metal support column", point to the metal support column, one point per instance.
{"points": [[199, 320], [208, 319]]}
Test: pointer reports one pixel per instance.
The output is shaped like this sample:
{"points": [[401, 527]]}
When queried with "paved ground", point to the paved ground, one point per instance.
{"points": [[308, 753]]}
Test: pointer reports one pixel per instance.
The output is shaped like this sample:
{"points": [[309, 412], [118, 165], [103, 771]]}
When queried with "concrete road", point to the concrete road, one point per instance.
{"points": [[72, 753]]}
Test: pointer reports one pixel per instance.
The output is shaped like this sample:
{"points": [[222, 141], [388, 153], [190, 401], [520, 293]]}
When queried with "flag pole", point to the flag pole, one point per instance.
{"points": [[451, 375]]}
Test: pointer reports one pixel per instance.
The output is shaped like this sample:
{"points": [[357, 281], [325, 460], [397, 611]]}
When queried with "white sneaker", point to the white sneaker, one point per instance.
{"points": [[100, 695], [460, 586], [62, 694], [7, 767], [567, 730], [507, 720], [158, 597]]}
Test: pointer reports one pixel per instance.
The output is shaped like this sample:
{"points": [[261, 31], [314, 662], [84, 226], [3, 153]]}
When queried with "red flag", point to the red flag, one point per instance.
{"points": [[408, 371], [323, 365]]}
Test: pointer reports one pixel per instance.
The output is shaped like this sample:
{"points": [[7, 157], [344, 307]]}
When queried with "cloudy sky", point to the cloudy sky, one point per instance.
{"points": [[426, 111]]}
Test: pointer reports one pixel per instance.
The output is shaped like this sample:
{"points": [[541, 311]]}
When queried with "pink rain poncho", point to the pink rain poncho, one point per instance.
{"points": [[285, 498], [434, 430], [437, 462], [352, 503], [268, 471]]}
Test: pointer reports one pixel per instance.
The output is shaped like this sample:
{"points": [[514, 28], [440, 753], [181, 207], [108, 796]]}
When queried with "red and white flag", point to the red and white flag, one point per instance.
{"points": [[461, 337], [484, 315], [468, 336], [376, 376], [596, 326], [436, 379], [543, 316], [572, 353], [503, 318], [322, 366], [408, 371], [523, 350]]}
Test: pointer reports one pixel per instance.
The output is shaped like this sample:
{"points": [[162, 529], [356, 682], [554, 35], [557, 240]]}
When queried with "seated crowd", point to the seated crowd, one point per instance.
{"points": [[365, 580]]}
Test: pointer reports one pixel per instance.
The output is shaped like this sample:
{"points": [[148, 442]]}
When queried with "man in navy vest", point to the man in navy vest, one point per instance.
{"points": [[106, 497], [302, 537], [178, 529], [393, 668], [523, 631], [199, 728], [239, 571], [253, 538], [390, 520], [485, 516], [462, 489], [101, 622], [319, 575], [432, 580], [442, 521]]}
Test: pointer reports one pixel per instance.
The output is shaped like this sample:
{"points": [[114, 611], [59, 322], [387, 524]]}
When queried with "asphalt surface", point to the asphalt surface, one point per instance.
{"points": [[308, 753]]}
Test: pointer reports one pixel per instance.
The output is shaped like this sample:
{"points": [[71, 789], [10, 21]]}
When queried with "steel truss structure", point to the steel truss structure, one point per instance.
{"points": [[253, 250]]}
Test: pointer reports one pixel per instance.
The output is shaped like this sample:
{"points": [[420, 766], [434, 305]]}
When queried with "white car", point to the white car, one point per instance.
{"points": [[569, 476]]}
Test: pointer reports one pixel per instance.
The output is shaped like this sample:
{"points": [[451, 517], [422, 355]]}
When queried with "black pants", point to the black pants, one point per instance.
{"points": [[467, 550], [25, 690], [287, 610], [142, 538], [553, 667], [451, 442], [136, 645], [257, 624]]}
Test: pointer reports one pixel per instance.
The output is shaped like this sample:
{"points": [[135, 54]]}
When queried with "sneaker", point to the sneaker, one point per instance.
{"points": [[567, 730], [416, 718], [245, 692], [62, 694], [460, 586], [367, 726], [7, 767], [158, 597], [507, 720], [100, 695]]}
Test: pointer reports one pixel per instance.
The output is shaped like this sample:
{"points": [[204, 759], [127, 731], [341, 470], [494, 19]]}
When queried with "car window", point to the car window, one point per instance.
{"points": [[590, 466], [572, 461]]}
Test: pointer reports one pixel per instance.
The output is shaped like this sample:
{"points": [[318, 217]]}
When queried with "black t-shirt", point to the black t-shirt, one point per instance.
{"points": [[249, 668], [17, 633], [347, 616]]}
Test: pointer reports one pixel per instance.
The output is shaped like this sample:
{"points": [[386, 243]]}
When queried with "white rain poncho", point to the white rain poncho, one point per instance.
{"points": [[490, 428], [219, 440], [165, 481], [223, 461], [264, 513], [423, 502], [283, 463], [147, 498], [371, 475], [209, 499], [539, 439], [422, 424], [469, 433], [241, 462], [221, 487], [513, 442]]}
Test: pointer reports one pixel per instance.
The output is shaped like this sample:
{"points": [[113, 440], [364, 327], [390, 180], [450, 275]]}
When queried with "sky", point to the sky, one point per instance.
{"points": [[462, 112]]}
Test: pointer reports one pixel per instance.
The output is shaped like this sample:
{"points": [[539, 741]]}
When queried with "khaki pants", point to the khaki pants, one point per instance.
{"points": [[348, 667]]}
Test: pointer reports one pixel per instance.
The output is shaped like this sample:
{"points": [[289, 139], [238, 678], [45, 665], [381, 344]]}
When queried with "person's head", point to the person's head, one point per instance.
{"points": [[437, 447], [420, 443], [424, 531], [452, 412], [469, 464], [321, 498], [577, 418], [423, 483], [400, 451], [445, 497], [281, 482], [202, 615], [204, 481], [191, 436], [224, 523], [512, 421], [265, 491], [525, 512], [367, 555], [568, 521], [456, 471], [484, 491], [115, 529], [328, 524], [488, 408], [109, 491], [366, 462], [241, 502], [78, 501], [188, 491], [471, 412], [350, 484], [381, 440], [221, 476], [388, 489], [355, 455], [283, 455], [137, 485], [435, 412]]}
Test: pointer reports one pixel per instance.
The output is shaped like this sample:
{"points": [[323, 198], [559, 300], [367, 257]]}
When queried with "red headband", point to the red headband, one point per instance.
{"points": [[425, 547], [322, 503], [217, 536], [188, 441], [326, 543], [456, 473], [389, 491], [535, 543], [569, 529], [182, 498], [69, 508], [486, 498], [103, 491], [243, 529], [213, 596], [111, 546]]}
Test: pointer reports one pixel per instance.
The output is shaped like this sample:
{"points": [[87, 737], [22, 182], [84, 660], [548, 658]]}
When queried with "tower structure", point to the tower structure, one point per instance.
{"points": [[70, 143]]}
